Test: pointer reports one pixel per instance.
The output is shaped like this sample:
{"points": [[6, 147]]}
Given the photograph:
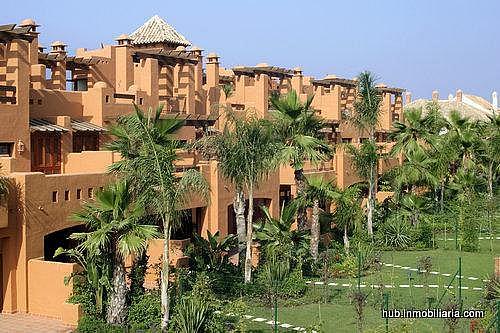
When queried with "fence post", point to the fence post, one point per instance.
{"points": [[460, 283], [386, 306]]}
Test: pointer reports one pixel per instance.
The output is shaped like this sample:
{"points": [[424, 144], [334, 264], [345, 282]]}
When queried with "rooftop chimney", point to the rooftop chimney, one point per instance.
{"points": [[494, 100], [124, 39], [407, 97], [459, 96], [29, 23], [435, 95], [58, 47]]}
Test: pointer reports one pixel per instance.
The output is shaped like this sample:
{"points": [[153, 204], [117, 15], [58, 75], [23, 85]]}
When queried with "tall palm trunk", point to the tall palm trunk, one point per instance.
{"points": [[346, 240], [315, 230], [117, 307], [371, 199], [239, 211], [165, 272], [248, 256], [300, 183]]}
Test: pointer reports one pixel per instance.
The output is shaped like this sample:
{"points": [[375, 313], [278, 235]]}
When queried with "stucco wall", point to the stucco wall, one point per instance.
{"points": [[46, 288]]}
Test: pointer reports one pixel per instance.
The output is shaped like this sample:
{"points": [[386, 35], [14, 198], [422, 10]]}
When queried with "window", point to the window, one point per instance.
{"points": [[31, 101], [107, 98], [78, 193], [39, 101], [90, 193], [46, 152], [85, 141], [80, 85], [6, 148], [140, 101], [66, 195], [361, 140], [346, 140], [54, 196]]}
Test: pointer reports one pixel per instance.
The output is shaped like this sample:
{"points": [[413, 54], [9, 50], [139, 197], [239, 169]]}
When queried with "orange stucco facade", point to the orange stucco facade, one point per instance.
{"points": [[54, 108]]}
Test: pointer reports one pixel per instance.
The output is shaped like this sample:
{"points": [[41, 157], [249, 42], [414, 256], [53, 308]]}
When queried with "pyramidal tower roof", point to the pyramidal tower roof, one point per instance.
{"points": [[156, 30]]}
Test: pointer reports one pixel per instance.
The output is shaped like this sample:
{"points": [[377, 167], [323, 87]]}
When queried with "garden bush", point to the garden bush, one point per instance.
{"points": [[91, 324], [145, 311]]}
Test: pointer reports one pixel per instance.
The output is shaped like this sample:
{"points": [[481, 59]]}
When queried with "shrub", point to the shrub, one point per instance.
{"points": [[470, 235], [347, 268], [145, 311], [295, 285], [425, 235], [191, 315], [90, 324], [395, 234]]}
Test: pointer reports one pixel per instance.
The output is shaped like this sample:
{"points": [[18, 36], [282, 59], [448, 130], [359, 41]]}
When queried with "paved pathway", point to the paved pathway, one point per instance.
{"points": [[25, 323]]}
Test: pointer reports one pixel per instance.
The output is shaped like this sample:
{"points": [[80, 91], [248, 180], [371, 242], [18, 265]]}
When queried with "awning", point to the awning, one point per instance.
{"points": [[41, 125], [84, 126]]}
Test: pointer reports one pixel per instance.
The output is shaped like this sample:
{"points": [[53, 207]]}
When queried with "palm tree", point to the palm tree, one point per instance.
{"points": [[416, 170], [417, 132], [258, 152], [365, 159], [277, 234], [347, 213], [148, 162], [318, 190], [114, 229], [297, 127], [412, 207], [365, 118], [490, 157], [229, 152], [463, 137]]}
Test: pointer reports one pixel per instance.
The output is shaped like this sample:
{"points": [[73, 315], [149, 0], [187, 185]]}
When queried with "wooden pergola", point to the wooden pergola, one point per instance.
{"points": [[333, 82], [391, 90], [271, 71], [9, 32], [166, 57], [72, 62]]}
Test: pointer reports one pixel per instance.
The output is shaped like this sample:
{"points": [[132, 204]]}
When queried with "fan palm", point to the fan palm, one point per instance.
{"points": [[415, 133], [149, 148], [463, 137], [366, 118], [277, 234], [318, 190], [114, 229], [297, 127], [415, 171], [412, 207]]}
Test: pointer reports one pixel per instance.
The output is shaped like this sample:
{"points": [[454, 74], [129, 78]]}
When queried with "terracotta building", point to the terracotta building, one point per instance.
{"points": [[54, 111]]}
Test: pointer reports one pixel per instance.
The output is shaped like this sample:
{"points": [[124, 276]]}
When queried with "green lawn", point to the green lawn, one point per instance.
{"points": [[338, 315]]}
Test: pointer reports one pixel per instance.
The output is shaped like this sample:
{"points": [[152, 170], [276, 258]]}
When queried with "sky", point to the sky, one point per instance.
{"points": [[419, 45]]}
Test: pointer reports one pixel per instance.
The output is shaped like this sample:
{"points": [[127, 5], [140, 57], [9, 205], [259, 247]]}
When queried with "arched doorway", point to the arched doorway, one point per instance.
{"points": [[60, 238]]}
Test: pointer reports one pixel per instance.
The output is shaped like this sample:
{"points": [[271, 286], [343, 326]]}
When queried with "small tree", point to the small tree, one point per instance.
{"points": [[318, 190], [149, 150], [298, 128], [366, 118], [276, 271], [114, 230]]}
